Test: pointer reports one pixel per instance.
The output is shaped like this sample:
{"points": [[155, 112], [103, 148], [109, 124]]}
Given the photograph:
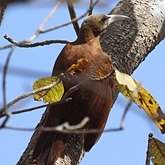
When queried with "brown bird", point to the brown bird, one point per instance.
{"points": [[83, 61]]}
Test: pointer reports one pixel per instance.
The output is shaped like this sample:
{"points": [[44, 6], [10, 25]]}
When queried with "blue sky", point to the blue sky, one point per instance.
{"points": [[27, 65]]}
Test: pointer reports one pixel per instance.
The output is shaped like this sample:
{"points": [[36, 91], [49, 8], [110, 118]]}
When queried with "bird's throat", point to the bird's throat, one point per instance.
{"points": [[87, 34]]}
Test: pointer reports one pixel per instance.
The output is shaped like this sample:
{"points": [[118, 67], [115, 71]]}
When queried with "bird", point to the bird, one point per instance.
{"points": [[86, 64]]}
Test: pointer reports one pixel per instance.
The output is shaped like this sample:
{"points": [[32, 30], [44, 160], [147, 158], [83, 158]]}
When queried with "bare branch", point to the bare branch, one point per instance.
{"points": [[73, 127], [3, 7], [73, 16], [36, 107], [90, 7], [27, 94], [103, 77], [65, 24], [59, 129], [121, 126], [70, 22], [64, 127], [4, 76], [30, 45], [36, 34], [148, 153], [27, 43], [63, 100], [6, 46], [38, 31], [4, 87]]}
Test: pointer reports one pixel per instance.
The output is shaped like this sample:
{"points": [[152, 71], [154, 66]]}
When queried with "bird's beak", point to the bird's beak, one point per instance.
{"points": [[113, 18]]}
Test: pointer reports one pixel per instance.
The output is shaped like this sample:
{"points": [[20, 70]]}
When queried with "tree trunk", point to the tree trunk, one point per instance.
{"points": [[3, 6], [127, 43]]}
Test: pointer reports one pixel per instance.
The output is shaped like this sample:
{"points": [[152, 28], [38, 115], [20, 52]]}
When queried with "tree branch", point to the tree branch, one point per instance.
{"points": [[65, 98], [127, 43], [27, 94], [4, 87], [37, 32], [148, 153], [36, 107], [30, 45], [73, 16], [90, 7], [28, 42], [3, 6], [73, 20], [42, 25]]}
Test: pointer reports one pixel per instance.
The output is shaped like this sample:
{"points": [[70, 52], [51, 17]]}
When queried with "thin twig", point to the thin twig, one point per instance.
{"points": [[40, 30], [148, 153], [56, 129], [90, 7], [73, 16], [73, 89], [125, 113], [64, 127], [25, 43], [70, 22], [3, 7], [103, 77], [75, 129], [30, 45], [30, 72], [121, 126], [27, 94], [5, 121], [72, 129], [37, 32], [41, 27], [76, 87], [4, 87], [65, 24], [36, 107], [5, 47], [5, 70], [64, 98]]}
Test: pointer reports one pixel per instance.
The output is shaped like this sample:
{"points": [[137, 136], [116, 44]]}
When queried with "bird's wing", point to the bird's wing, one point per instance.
{"points": [[96, 93]]}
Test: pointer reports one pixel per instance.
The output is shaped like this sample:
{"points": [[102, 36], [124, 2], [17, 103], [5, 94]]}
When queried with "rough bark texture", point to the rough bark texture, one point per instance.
{"points": [[3, 6], [128, 43]]}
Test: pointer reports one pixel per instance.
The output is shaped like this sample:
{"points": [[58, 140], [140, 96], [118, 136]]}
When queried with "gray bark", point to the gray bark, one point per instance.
{"points": [[128, 44], [3, 6]]}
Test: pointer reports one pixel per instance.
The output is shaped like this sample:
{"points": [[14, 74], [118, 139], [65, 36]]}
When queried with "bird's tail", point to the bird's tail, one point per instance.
{"points": [[49, 148]]}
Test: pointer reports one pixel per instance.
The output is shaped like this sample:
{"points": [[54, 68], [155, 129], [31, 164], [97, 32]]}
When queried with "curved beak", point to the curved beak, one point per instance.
{"points": [[113, 18]]}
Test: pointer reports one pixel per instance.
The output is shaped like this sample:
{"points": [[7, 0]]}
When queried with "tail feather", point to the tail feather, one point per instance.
{"points": [[50, 146]]}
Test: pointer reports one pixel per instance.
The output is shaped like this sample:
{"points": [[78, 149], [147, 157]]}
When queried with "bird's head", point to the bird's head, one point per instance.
{"points": [[95, 24]]}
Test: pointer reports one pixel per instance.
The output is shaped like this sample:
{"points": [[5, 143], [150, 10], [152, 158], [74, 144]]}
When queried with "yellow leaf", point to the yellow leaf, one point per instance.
{"points": [[51, 95], [135, 92], [157, 152], [126, 80]]}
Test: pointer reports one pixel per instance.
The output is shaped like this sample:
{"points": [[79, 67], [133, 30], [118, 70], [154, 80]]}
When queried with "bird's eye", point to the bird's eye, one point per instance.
{"points": [[103, 19]]}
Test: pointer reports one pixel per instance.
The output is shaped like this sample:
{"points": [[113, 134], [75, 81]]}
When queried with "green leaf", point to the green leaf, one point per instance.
{"points": [[157, 152]]}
